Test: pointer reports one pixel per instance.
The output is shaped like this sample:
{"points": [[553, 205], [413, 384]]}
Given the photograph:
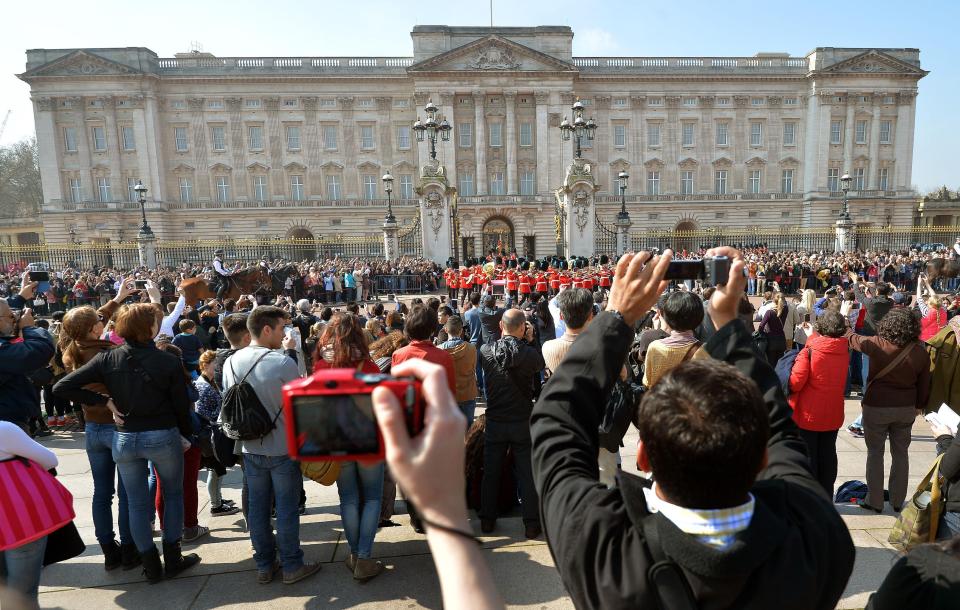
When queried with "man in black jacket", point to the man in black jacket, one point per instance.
{"points": [[24, 348], [734, 510], [509, 365], [490, 316]]}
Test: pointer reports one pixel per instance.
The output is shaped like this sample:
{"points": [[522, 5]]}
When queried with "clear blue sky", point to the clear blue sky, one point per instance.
{"points": [[601, 27]]}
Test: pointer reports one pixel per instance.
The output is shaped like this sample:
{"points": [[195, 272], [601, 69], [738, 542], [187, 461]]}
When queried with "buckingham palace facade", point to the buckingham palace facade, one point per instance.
{"points": [[295, 147]]}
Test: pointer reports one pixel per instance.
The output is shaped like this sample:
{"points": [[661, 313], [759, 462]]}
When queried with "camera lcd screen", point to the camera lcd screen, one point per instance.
{"points": [[335, 424], [684, 270]]}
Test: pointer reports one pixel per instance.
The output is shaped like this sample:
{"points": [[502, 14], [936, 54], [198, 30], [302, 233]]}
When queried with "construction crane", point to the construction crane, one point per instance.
{"points": [[3, 125]]}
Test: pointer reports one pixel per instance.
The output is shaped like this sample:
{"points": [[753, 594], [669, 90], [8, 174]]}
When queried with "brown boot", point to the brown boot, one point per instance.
{"points": [[367, 569]]}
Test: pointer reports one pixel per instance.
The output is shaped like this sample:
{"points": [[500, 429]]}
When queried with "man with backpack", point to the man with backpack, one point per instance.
{"points": [[253, 379]]}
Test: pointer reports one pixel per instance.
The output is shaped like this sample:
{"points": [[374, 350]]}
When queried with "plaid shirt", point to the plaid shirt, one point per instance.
{"points": [[715, 527]]}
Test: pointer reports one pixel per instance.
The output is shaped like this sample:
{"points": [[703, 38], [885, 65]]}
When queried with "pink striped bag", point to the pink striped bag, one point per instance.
{"points": [[33, 503]]}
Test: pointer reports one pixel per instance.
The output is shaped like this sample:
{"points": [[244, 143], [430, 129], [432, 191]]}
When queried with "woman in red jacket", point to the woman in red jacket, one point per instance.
{"points": [[816, 394]]}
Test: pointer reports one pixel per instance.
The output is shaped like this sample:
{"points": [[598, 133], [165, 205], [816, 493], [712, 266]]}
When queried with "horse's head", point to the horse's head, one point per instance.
{"points": [[279, 276]]}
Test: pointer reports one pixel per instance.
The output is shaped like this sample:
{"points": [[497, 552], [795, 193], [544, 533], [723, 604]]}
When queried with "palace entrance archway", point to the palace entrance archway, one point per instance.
{"points": [[684, 236], [301, 245], [498, 235]]}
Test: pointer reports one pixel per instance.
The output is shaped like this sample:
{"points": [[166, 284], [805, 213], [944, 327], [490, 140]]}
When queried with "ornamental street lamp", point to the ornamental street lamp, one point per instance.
{"points": [[579, 129], [434, 126], [455, 226], [845, 187], [142, 199], [388, 189], [622, 178]]}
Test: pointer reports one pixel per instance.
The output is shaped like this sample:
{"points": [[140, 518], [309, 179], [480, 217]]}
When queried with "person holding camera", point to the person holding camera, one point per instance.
{"points": [[24, 348], [510, 364], [733, 517]]}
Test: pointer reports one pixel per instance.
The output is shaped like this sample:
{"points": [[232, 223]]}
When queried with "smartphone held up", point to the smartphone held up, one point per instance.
{"points": [[330, 416]]}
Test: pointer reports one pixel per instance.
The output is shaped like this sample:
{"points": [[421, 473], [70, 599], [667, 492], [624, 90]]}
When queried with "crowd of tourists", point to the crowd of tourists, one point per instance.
{"points": [[738, 408]]}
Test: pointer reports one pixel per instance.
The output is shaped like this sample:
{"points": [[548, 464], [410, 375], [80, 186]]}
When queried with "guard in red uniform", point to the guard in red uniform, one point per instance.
{"points": [[466, 283], [511, 277], [525, 287], [542, 286], [452, 285]]}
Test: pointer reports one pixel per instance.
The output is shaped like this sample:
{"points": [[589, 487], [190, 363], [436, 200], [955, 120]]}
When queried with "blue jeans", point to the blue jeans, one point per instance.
{"points": [[131, 451], [467, 407], [275, 477], [20, 567], [360, 484], [99, 440]]}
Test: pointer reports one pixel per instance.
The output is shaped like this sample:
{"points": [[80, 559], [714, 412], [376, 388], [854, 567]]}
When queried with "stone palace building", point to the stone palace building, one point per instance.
{"points": [[295, 147]]}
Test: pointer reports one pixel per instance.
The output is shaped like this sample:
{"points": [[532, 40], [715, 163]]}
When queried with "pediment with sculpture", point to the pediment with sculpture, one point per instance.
{"points": [[492, 53]]}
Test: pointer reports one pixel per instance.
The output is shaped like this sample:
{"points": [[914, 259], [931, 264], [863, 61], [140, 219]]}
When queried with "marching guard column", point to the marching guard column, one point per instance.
{"points": [[433, 190], [577, 199]]}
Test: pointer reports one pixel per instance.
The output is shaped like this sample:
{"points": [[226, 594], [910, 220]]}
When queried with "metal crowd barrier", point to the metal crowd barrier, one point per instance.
{"points": [[400, 284]]}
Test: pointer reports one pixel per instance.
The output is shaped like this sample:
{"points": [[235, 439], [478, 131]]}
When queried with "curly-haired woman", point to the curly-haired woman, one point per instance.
{"points": [[897, 386]]}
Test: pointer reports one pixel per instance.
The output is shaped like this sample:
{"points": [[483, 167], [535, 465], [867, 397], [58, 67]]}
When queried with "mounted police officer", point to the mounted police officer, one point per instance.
{"points": [[221, 274]]}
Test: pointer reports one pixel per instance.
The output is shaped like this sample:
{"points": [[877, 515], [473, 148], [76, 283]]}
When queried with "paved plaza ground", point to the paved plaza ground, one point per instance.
{"points": [[523, 569]]}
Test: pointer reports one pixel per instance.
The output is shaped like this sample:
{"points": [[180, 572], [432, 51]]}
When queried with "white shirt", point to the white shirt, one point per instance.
{"points": [[166, 327], [15, 442], [218, 267], [956, 248]]}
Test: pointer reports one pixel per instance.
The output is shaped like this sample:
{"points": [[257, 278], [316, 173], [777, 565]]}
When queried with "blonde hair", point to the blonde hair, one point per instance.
{"points": [[808, 300], [779, 303]]}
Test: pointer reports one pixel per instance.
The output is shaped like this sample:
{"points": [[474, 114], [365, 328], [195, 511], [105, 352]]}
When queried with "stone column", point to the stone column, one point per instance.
{"points": [[118, 181], [846, 236], [46, 127], [276, 144], [579, 210], [448, 156], [813, 145], [510, 101], [351, 178], [147, 249], [391, 241], [848, 137], [312, 146], [386, 144], [542, 97], [480, 127], [903, 145], [623, 225], [638, 132], [237, 148], [204, 184], [145, 156], [602, 143], [873, 178], [435, 213], [152, 141]]}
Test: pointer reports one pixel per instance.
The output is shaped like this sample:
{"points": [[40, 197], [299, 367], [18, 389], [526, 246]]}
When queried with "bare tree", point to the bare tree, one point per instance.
{"points": [[21, 193]]}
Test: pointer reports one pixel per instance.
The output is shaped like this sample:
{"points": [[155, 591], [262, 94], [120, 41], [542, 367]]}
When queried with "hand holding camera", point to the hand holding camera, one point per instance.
{"points": [[726, 298], [26, 319], [637, 283]]}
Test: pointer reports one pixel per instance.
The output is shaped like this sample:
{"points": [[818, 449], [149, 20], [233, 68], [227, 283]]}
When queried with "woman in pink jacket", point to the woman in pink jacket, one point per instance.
{"points": [[816, 394]]}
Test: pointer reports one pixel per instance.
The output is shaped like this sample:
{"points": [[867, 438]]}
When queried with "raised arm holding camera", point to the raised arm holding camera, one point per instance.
{"points": [[734, 517]]}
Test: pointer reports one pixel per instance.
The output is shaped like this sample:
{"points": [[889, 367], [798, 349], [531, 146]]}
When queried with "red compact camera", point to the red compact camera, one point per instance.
{"points": [[330, 414]]}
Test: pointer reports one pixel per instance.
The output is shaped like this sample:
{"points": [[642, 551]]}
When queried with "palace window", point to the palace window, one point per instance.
{"points": [[653, 183], [103, 189], [883, 178], [70, 139], [653, 134], [223, 189], [76, 194], [755, 181], [686, 182], [403, 137], [861, 132], [756, 133], [249, 103], [789, 133], [99, 139], [330, 137], [836, 132], [723, 129], [180, 138], [293, 137], [496, 135], [496, 183], [884, 132], [127, 137], [260, 188], [526, 134], [255, 137], [786, 181], [333, 187], [686, 130], [620, 136], [296, 188], [186, 190], [465, 135], [366, 137], [720, 182], [131, 192], [215, 105], [789, 101], [219, 138], [833, 179], [369, 186], [528, 184], [406, 186], [859, 179], [466, 184]]}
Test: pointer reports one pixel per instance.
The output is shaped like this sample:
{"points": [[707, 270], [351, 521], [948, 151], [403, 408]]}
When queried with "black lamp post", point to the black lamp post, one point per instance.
{"points": [[579, 129], [435, 125], [388, 189], [455, 227], [142, 200], [622, 178], [845, 188]]}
